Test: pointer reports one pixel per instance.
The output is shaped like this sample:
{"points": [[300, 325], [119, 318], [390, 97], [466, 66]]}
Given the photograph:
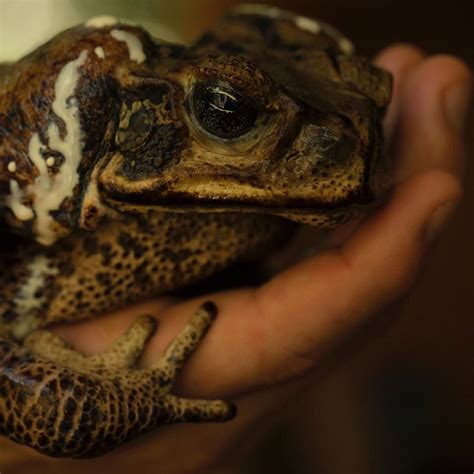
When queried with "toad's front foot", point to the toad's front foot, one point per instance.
{"points": [[84, 406]]}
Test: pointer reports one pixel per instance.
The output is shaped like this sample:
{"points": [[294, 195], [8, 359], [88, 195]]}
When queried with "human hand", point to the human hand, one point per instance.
{"points": [[266, 340]]}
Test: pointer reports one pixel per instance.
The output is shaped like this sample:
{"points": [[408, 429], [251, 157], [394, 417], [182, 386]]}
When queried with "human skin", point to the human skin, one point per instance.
{"points": [[268, 342]]}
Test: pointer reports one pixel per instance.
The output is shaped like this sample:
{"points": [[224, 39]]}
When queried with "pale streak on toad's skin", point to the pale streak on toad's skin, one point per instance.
{"points": [[15, 202], [48, 192], [50, 161], [142, 186], [26, 301], [308, 24], [302, 22], [134, 45], [99, 52], [12, 166], [101, 21]]}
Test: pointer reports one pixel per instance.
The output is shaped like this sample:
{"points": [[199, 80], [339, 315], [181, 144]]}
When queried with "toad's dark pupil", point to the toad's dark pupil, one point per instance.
{"points": [[223, 111]]}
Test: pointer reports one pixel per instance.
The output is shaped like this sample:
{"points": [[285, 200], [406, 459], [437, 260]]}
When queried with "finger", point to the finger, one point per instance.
{"points": [[433, 107], [400, 60]]}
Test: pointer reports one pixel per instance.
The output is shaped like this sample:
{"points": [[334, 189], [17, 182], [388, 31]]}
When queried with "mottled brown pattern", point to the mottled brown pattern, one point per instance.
{"points": [[164, 201], [128, 260]]}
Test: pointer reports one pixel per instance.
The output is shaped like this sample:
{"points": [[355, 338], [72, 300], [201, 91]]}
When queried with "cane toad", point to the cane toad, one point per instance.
{"points": [[135, 167]]}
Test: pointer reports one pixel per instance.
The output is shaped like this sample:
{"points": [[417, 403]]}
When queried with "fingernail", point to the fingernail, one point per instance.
{"points": [[457, 101], [439, 219]]}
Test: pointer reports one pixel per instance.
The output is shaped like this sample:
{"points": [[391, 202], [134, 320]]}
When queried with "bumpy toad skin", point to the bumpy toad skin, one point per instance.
{"points": [[139, 167]]}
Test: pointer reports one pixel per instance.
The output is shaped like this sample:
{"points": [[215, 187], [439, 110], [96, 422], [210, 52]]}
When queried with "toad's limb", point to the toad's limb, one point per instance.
{"points": [[82, 407]]}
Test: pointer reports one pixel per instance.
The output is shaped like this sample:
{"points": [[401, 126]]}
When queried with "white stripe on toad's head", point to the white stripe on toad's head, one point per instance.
{"points": [[50, 161], [307, 24], [301, 22], [346, 46], [260, 9], [134, 45], [15, 202], [99, 52], [48, 192], [11, 167], [101, 21]]}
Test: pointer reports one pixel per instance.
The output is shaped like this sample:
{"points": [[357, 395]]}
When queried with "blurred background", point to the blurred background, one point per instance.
{"points": [[404, 401]]}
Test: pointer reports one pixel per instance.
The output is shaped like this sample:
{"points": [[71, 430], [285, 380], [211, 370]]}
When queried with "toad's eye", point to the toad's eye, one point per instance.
{"points": [[223, 111]]}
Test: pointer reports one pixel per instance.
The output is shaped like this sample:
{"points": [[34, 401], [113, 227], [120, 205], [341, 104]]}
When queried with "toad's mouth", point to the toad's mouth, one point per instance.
{"points": [[223, 194], [225, 189], [184, 202], [301, 210]]}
